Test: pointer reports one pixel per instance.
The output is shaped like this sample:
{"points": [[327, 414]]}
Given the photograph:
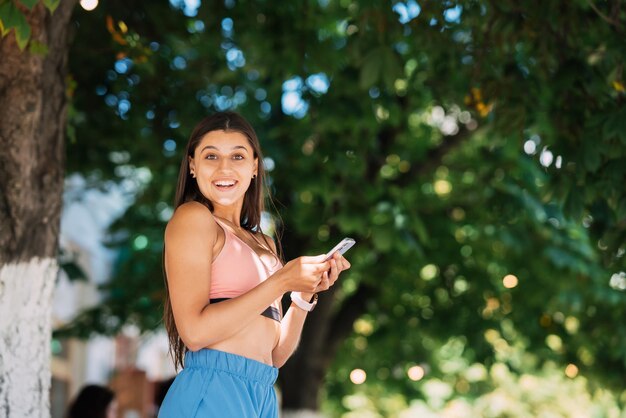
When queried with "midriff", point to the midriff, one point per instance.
{"points": [[255, 341]]}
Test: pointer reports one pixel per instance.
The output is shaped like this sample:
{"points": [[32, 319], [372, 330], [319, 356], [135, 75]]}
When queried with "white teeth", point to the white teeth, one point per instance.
{"points": [[224, 184]]}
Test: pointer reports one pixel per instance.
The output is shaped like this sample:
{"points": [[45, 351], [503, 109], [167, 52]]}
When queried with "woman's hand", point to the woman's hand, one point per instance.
{"points": [[304, 274], [337, 264]]}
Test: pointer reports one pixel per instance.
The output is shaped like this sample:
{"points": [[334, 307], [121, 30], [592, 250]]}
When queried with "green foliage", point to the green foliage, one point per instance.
{"points": [[455, 150], [12, 16], [36, 47], [29, 3], [51, 4], [547, 392]]}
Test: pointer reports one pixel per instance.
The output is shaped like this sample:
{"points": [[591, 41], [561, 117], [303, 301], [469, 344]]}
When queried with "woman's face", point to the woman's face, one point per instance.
{"points": [[224, 164]]}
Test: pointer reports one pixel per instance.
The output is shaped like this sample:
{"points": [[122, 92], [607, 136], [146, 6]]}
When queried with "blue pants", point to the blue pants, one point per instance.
{"points": [[222, 385]]}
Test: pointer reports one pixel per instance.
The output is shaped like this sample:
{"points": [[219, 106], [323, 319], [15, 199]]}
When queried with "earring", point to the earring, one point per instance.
{"points": [[253, 176], [193, 174]]}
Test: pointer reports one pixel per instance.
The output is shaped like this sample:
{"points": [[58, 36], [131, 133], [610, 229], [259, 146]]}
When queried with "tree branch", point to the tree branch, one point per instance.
{"points": [[435, 156], [604, 17]]}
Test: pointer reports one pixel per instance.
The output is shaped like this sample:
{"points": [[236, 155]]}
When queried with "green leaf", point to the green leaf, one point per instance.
{"points": [[390, 67], [574, 203], [37, 48], [372, 68], [591, 156], [22, 34], [420, 229], [29, 3], [615, 126], [12, 18], [6, 17], [51, 4]]}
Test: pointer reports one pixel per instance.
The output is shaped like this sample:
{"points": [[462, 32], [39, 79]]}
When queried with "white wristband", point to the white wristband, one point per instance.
{"points": [[303, 304]]}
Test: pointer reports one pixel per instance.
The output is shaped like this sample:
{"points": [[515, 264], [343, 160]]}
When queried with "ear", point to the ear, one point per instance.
{"points": [[192, 164], [256, 166]]}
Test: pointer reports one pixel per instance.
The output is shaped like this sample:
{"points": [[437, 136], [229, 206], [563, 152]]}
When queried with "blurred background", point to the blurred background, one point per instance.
{"points": [[476, 151]]}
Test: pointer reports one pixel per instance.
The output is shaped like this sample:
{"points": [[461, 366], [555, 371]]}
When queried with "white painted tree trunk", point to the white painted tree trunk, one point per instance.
{"points": [[25, 332], [301, 413]]}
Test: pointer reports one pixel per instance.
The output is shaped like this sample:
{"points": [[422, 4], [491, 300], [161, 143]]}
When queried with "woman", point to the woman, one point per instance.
{"points": [[225, 280]]}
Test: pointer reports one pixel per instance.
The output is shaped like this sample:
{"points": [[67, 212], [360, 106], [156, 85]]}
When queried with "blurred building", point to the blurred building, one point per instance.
{"points": [[135, 366]]}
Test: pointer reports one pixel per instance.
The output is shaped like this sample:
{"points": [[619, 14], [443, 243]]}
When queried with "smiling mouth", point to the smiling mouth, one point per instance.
{"points": [[224, 184]]}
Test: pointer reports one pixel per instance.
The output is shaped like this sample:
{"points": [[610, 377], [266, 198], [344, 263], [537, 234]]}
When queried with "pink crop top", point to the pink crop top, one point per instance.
{"points": [[238, 269]]}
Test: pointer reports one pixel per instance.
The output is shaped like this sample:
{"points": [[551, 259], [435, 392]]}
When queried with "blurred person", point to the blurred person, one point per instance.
{"points": [[94, 401], [225, 280], [161, 390]]}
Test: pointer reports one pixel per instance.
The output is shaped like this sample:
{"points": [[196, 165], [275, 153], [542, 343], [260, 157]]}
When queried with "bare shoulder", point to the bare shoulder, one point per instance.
{"points": [[191, 218]]}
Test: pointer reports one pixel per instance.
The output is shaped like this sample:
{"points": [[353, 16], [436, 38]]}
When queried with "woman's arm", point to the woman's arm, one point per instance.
{"points": [[190, 237], [290, 332], [293, 322]]}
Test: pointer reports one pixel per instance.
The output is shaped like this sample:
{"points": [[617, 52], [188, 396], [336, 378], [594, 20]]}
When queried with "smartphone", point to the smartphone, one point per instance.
{"points": [[342, 247]]}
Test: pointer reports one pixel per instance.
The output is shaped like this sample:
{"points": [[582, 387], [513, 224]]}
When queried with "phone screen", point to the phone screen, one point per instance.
{"points": [[342, 247]]}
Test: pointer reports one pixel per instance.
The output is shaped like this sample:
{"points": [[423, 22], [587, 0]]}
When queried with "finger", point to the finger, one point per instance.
{"points": [[338, 258], [313, 259], [340, 265], [334, 270], [321, 267], [331, 280], [346, 263], [324, 283]]}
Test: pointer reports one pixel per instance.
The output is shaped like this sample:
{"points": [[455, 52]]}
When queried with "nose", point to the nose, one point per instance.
{"points": [[224, 164]]}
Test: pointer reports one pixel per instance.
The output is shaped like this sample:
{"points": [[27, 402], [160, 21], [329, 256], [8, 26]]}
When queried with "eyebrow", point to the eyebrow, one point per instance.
{"points": [[215, 148]]}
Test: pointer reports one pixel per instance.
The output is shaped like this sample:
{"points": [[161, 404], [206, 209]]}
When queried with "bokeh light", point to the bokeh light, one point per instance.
{"points": [[510, 281], [363, 327], [140, 242], [89, 5], [554, 342], [442, 187], [429, 272], [571, 371], [546, 157], [358, 376], [416, 373]]}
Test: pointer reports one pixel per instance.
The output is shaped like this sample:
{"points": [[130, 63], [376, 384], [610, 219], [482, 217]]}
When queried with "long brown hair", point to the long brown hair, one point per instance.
{"points": [[187, 190]]}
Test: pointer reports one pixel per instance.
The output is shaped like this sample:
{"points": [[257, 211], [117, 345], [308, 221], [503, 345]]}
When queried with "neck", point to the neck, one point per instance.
{"points": [[232, 223], [228, 213]]}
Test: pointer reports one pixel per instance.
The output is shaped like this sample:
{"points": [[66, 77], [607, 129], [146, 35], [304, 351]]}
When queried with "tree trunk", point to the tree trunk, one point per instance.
{"points": [[302, 377], [32, 130], [25, 330]]}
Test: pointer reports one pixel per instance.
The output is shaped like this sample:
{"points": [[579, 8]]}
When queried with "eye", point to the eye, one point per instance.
{"points": [[238, 157], [210, 157]]}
